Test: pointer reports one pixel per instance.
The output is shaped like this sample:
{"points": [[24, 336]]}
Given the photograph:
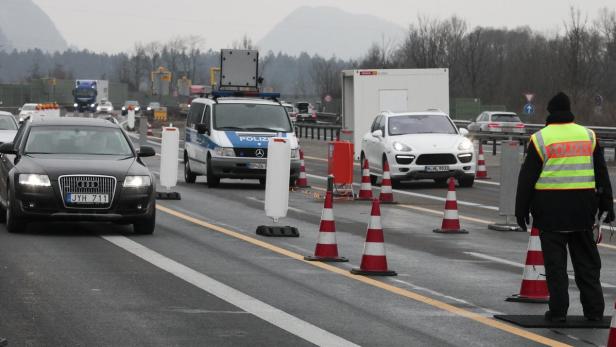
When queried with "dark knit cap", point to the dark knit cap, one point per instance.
{"points": [[559, 103]]}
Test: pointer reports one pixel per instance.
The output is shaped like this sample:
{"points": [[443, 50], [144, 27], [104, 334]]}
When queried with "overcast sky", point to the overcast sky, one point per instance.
{"points": [[115, 25]]}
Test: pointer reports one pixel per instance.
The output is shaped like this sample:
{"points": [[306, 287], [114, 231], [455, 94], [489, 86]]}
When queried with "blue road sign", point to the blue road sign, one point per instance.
{"points": [[529, 108]]}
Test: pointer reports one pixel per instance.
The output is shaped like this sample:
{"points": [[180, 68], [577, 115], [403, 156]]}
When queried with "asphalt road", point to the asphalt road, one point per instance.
{"points": [[205, 278]]}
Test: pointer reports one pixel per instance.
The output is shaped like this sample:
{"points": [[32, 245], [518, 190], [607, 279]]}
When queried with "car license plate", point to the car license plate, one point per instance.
{"points": [[437, 168], [258, 166], [75, 198]]}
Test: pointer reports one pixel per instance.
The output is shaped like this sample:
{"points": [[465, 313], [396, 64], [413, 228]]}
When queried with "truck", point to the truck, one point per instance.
{"points": [[89, 93], [367, 92]]}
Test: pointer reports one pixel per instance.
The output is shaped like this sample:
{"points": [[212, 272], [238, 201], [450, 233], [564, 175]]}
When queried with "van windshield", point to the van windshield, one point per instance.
{"points": [[251, 117]]}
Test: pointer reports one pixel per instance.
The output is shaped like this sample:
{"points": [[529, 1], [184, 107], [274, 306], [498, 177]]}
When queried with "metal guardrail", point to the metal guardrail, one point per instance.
{"points": [[302, 130]]}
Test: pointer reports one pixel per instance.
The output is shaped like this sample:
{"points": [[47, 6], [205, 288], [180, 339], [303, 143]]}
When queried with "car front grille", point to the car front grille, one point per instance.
{"points": [[250, 152], [436, 159], [87, 184]]}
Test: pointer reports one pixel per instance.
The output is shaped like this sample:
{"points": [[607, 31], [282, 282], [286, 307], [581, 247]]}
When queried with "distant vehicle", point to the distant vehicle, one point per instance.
{"points": [[366, 93], [8, 127], [131, 103], [419, 145], [105, 106], [75, 169], [498, 122], [292, 111], [151, 108], [227, 138], [49, 109], [26, 109], [89, 93], [306, 112]]}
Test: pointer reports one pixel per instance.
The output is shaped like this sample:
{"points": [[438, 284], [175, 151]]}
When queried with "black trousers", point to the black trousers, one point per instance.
{"points": [[586, 265]]}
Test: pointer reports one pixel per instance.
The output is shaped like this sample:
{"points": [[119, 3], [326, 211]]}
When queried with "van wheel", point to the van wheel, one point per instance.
{"points": [[212, 180], [189, 176]]}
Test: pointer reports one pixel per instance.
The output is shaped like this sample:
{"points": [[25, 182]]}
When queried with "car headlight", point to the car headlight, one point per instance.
{"points": [[465, 145], [295, 153], [149, 109], [123, 108], [93, 105], [34, 180], [224, 152], [137, 109], [75, 105], [98, 108], [137, 182], [401, 147]]}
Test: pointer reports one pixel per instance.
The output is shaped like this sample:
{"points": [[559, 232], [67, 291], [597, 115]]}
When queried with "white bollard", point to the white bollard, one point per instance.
{"points": [[277, 178], [131, 119], [169, 148]]}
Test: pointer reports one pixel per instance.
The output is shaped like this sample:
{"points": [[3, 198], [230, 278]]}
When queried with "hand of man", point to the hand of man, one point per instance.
{"points": [[609, 217], [523, 221]]}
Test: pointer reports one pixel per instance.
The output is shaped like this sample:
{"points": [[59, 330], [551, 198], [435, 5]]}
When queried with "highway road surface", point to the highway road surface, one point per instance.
{"points": [[204, 278]]}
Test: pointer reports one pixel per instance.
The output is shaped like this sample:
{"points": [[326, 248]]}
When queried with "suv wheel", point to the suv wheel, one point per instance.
{"points": [[146, 226], [212, 180], [189, 176]]}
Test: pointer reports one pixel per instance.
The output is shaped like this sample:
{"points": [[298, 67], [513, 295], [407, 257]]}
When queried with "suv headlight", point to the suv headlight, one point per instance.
{"points": [[34, 180], [137, 181], [295, 153], [401, 147], [224, 152], [465, 145]]}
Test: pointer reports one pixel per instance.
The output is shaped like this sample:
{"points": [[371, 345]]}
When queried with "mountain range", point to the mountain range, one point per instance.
{"points": [[23, 26]]}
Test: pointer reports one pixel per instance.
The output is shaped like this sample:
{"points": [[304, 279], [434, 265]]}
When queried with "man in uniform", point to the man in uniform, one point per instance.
{"points": [[563, 183]]}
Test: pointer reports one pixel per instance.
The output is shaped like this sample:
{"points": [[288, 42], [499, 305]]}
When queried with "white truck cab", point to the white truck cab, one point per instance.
{"points": [[227, 136]]}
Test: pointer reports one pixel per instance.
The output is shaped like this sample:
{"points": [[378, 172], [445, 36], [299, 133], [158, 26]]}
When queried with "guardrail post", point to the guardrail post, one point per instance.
{"points": [[312, 133], [494, 147], [318, 133]]}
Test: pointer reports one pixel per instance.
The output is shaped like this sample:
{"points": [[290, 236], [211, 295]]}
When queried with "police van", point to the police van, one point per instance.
{"points": [[227, 135]]}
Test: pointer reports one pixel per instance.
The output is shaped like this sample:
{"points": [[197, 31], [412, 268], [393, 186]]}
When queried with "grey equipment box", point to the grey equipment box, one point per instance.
{"points": [[239, 68]]}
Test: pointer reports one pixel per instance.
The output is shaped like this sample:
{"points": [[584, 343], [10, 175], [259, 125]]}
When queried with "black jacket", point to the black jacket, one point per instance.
{"points": [[562, 210]]}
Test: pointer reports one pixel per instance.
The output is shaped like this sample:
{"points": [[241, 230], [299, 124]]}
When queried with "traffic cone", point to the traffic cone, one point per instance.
{"points": [[374, 261], [150, 132], [327, 248], [365, 192], [387, 195], [451, 221], [611, 340], [482, 172], [534, 288], [302, 181]]}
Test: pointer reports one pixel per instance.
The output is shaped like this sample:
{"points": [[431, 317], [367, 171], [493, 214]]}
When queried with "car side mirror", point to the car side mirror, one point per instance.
{"points": [[377, 133], [144, 151], [7, 148], [463, 131], [202, 128]]}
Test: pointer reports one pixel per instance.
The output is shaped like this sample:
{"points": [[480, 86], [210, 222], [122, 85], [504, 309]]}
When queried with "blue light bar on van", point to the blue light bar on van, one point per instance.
{"points": [[228, 93]]}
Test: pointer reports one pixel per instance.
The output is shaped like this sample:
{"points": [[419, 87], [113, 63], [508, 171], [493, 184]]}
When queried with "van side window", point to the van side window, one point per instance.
{"points": [[207, 117], [195, 114]]}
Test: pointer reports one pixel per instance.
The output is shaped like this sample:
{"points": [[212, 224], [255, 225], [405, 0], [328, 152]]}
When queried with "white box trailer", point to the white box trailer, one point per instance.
{"points": [[366, 93]]}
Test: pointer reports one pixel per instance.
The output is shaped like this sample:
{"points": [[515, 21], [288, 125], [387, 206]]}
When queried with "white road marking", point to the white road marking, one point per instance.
{"points": [[426, 196], [270, 314], [520, 265]]}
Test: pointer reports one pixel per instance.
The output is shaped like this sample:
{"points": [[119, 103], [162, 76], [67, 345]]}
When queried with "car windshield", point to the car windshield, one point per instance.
{"points": [[154, 105], [29, 107], [131, 103], [505, 118], [7, 123], [77, 140], [251, 117], [423, 124]]}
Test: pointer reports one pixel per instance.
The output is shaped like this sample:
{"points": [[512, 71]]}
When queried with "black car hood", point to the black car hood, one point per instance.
{"points": [[55, 165]]}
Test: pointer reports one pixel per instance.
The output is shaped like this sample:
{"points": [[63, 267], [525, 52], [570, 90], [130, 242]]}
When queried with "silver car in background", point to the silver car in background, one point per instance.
{"points": [[498, 122]]}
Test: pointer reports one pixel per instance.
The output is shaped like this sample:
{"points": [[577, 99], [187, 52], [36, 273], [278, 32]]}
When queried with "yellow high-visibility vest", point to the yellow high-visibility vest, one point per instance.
{"points": [[567, 154]]}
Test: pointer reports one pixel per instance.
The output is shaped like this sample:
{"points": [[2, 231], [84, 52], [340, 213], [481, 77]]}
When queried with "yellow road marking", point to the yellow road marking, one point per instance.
{"points": [[369, 281], [607, 246]]}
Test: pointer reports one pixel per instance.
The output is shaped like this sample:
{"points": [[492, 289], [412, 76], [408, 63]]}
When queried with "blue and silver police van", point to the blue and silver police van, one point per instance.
{"points": [[227, 135]]}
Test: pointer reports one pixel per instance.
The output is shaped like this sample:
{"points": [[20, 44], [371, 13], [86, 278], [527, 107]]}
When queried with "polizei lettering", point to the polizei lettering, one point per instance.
{"points": [[253, 138]]}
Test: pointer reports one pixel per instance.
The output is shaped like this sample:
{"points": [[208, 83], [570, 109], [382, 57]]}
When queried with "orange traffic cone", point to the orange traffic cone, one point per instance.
{"points": [[302, 181], [611, 340], [327, 248], [482, 172], [374, 261], [534, 288], [387, 195], [451, 220], [365, 191]]}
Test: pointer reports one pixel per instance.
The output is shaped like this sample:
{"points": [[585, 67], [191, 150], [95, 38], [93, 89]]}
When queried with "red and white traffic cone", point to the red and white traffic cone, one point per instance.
{"points": [[611, 340], [451, 220], [387, 194], [327, 247], [150, 132], [302, 181], [534, 288], [365, 191], [482, 172], [374, 261]]}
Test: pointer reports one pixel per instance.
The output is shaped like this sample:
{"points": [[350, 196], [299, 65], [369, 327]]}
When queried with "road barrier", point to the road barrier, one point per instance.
{"points": [[305, 130]]}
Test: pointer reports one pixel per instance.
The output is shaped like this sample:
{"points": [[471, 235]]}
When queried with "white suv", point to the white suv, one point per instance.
{"points": [[419, 145]]}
